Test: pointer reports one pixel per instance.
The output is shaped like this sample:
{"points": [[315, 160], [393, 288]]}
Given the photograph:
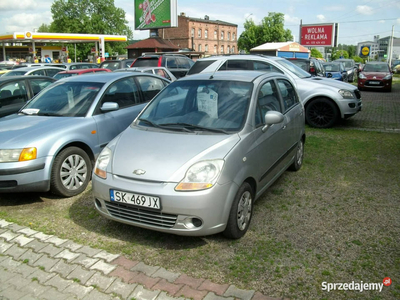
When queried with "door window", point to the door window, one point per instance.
{"points": [[288, 93], [124, 92], [268, 100], [150, 86], [12, 93], [39, 84]]}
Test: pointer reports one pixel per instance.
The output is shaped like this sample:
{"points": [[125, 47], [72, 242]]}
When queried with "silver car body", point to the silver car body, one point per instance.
{"points": [[308, 87], [151, 70], [51, 134], [152, 161], [39, 70]]}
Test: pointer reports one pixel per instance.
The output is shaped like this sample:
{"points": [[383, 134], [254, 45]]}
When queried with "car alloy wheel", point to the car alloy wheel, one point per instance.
{"points": [[244, 211], [321, 113], [299, 156]]}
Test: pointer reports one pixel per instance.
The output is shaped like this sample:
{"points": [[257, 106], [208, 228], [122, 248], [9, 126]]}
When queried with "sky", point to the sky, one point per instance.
{"points": [[359, 21]]}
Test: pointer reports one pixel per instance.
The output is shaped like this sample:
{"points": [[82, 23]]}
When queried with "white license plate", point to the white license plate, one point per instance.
{"points": [[374, 82], [144, 201]]}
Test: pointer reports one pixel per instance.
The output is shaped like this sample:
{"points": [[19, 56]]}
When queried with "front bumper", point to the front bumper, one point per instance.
{"points": [[196, 213]]}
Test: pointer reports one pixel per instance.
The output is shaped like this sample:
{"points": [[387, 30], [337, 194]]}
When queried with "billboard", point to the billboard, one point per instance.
{"points": [[318, 35], [152, 14], [365, 51]]}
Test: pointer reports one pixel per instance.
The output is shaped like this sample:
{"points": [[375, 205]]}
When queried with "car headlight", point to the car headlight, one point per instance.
{"points": [[362, 76], [13, 155], [387, 77], [100, 168], [346, 94], [200, 176]]}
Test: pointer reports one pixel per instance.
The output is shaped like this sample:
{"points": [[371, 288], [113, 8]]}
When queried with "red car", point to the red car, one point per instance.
{"points": [[64, 74], [375, 75]]}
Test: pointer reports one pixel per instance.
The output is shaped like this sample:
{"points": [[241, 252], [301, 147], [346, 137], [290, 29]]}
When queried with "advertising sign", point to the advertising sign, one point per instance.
{"points": [[152, 14], [365, 51], [319, 35]]}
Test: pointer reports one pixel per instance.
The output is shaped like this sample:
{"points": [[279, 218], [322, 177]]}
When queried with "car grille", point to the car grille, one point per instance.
{"points": [[358, 94], [139, 215]]}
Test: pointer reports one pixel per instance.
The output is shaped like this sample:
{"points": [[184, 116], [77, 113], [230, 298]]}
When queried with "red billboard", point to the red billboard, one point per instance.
{"points": [[318, 35]]}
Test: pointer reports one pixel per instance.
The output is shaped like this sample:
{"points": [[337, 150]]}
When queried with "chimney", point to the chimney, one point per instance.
{"points": [[206, 17], [183, 14]]}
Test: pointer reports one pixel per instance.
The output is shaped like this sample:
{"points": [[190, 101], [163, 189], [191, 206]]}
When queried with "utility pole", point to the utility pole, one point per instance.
{"points": [[391, 48]]}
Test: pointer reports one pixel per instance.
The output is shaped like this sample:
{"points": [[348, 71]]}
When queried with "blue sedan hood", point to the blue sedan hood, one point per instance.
{"points": [[166, 156]]}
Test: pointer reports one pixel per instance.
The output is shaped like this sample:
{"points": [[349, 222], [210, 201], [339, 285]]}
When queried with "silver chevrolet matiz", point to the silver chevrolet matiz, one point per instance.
{"points": [[201, 152]]}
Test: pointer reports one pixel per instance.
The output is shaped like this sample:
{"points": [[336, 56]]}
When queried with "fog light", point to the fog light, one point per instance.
{"points": [[98, 203], [352, 105], [191, 223]]}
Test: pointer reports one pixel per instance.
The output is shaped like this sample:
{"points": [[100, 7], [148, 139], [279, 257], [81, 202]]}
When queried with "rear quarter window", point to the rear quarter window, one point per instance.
{"points": [[199, 66], [146, 62]]}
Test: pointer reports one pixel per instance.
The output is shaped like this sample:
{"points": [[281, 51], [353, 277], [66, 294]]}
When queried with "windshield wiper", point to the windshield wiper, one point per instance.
{"points": [[162, 126], [194, 127]]}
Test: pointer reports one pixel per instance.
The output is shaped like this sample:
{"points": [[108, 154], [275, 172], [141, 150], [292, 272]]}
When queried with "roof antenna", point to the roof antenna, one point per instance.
{"points": [[212, 75]]}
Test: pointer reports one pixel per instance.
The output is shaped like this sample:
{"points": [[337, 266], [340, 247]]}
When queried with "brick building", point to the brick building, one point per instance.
{"points": [[203, 35]]}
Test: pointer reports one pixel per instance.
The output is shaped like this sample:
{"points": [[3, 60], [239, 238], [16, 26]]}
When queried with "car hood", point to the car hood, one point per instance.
{"points": [[21, 130], [166, 156], [333, 83], [377, 75]]}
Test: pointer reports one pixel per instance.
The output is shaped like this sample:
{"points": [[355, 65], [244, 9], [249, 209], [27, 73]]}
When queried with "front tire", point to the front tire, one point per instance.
{"points": [[71, 172], [321, 113], [298, 158], [241, 213]]}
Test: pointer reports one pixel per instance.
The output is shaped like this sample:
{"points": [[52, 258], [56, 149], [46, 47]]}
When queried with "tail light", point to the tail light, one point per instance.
{"points": [[312, 70], [159, 61]]}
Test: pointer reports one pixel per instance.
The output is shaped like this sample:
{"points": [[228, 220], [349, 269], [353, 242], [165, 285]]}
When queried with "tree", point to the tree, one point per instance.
{"points": [[315, 53], [90, 17], [336, 54], [270, 30], [44, 28]]}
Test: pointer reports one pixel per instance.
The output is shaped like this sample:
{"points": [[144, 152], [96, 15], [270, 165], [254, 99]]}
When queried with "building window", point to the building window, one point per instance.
{"points": [[199, 33], [215, 48], [200, 48], [233, 36], [233, 49], [222, 35], [228, 49], [206, 33], [206, 48], [229, 36], [192, 32], [215, 34], [222, 49]]}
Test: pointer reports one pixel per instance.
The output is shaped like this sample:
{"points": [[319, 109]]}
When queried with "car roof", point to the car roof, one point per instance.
{"points": [[245, 76], [376, 63], [19, 77], [107, 76], [240, 56], [37, 68], [81, 71]]}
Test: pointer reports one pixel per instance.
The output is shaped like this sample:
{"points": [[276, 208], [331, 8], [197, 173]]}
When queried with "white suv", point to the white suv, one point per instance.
{"points": [[326, 100]]}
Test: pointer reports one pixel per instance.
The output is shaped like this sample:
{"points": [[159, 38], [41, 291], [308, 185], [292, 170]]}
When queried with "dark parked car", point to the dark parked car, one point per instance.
{"points": [[178, 64], [310, 65], [335, 70], [116, 64], [350, 66], [15, 91], [375, 75]]}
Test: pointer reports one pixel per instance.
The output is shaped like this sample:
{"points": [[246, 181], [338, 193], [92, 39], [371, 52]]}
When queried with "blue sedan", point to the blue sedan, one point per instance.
{"points": [[52, 143], [336, 70]]}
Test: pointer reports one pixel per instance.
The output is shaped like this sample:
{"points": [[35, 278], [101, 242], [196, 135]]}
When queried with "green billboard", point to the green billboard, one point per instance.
{"points": [[152, 14]]}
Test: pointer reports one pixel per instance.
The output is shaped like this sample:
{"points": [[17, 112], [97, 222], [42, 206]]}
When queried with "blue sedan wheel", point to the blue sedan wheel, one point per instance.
{"points": [[71, 172]]}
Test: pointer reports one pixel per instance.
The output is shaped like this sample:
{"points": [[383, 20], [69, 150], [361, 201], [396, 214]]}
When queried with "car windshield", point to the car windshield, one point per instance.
{"points": [[332, 67], [64, 75], [146, 62], [14, 73], [376, 68], [199, 105], [64, 99], [299, 72], [347, 64]]}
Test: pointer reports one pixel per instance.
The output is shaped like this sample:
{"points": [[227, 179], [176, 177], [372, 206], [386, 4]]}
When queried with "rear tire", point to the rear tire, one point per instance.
{"points": [[298, 158], [71, 172], [241, 213], [321, 113]]}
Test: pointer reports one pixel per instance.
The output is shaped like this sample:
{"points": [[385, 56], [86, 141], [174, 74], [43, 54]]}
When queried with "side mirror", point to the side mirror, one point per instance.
{"points": [[109, 106], [272, 117]]}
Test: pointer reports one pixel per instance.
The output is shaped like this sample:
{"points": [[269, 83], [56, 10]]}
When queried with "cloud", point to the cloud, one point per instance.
{"points": [[364, 10], [24, 21], [291, 20], [321, 18]]}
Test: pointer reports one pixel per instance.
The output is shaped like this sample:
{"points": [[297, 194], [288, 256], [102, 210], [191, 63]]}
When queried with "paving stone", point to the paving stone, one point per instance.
{"points": [[4, 246], [22, 240], [68, 255], [5, 275], [46, 262], [100, 281], [18, 282], [170, 288], [41, 276], [56, 241], [145, 280], [238, 293], [4, 223], [78, 290], [9, 235], [188, 292], [59, 283], [259, 296], [124, 262], [85, 261], [81, 274], [190, 281], [10, 264], [35, 289], [89, 251], [36, 245], [25, 270], [96, 295], [15, 251], [141, 293], [146, 269], [218, 289], [3, 230], [50, 250], [41, 236], [12, 293], [103, 267], [71, 245], [30, 256], [15, 227], [108, 257], [63, 268], [120, 288], [5, 286], [212, 296], [52, 294], [163, 273], [164, 296], [27, 231], [125, 275]]}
